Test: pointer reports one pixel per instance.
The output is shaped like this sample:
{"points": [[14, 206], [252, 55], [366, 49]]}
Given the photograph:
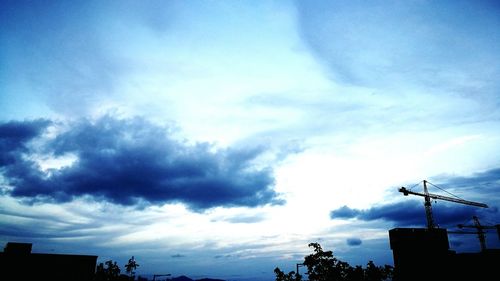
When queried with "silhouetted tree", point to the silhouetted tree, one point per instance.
{"points": [[113, 270], [100, 273], [372, 272], [110, 273], [131, 266], [291, 276], [355, 273], [323, 266]]}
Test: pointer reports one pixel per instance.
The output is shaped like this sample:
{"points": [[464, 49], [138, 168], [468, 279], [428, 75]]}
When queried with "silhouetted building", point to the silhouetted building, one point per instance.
{"points": [[424, 254], [483, 265], [420, 253], [18, 263]]}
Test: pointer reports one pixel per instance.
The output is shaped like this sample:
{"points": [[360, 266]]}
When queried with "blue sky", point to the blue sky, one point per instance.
{"points": [[219, 138]]}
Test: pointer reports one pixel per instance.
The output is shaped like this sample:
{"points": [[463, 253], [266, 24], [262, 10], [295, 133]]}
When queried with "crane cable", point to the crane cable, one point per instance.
{"points": [[410, 188], [444, 190]]}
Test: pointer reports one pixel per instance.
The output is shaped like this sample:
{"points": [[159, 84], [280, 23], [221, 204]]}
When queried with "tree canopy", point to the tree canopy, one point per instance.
{"points": [[131, 266], [323, 266]]}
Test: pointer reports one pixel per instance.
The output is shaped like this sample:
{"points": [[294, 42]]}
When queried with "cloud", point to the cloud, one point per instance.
{"points": [[129, 161], [75, 57], [381, 43], [480, 187], [353, 241], [243, 218], [14, 136], [344, 212], [176, 256], [402, 213], [489, 179], [66, 58], [412, 213], [223, 256]]}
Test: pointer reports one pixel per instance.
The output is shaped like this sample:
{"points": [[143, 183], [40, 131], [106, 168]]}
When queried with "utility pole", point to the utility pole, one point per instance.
{"points": [[299, 265]]}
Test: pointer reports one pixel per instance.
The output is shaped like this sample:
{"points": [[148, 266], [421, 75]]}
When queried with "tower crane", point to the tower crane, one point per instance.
{"points": [[428, 207], [480, 231]]}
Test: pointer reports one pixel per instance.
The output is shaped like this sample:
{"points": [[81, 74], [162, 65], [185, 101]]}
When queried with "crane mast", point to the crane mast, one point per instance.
{"points": [[427, 203], [428, 208], [480, 231]]}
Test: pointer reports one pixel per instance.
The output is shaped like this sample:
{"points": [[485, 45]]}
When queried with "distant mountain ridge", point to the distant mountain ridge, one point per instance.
{"points": [[185, 278]]}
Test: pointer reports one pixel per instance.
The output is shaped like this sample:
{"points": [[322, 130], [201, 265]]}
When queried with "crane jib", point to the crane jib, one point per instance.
{"points": [[441, 197]]}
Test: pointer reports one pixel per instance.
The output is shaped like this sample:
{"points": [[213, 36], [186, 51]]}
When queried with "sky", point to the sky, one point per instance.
{"points": [[219, 138]]}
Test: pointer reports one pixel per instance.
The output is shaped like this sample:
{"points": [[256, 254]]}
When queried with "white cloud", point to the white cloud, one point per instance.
{"points": [[370, 96]]}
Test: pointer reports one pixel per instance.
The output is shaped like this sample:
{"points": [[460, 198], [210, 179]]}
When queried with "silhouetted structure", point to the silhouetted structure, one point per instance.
{"points": [[480, 231], [424, 254], [18, 263], [420, 253], [428, 196]]}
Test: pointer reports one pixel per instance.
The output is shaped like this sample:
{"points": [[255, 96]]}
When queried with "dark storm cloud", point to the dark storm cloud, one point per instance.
{"points": [[480, 187], [402, 213], [489, 179], [14, 136], [412, 213], [354, 241], [132, 161], [344, 212]]}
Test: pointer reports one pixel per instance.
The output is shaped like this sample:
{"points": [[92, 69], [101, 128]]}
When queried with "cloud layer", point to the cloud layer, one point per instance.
{"points": [[409, 213], [128, 162], [483, 185], [380, 42]]}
